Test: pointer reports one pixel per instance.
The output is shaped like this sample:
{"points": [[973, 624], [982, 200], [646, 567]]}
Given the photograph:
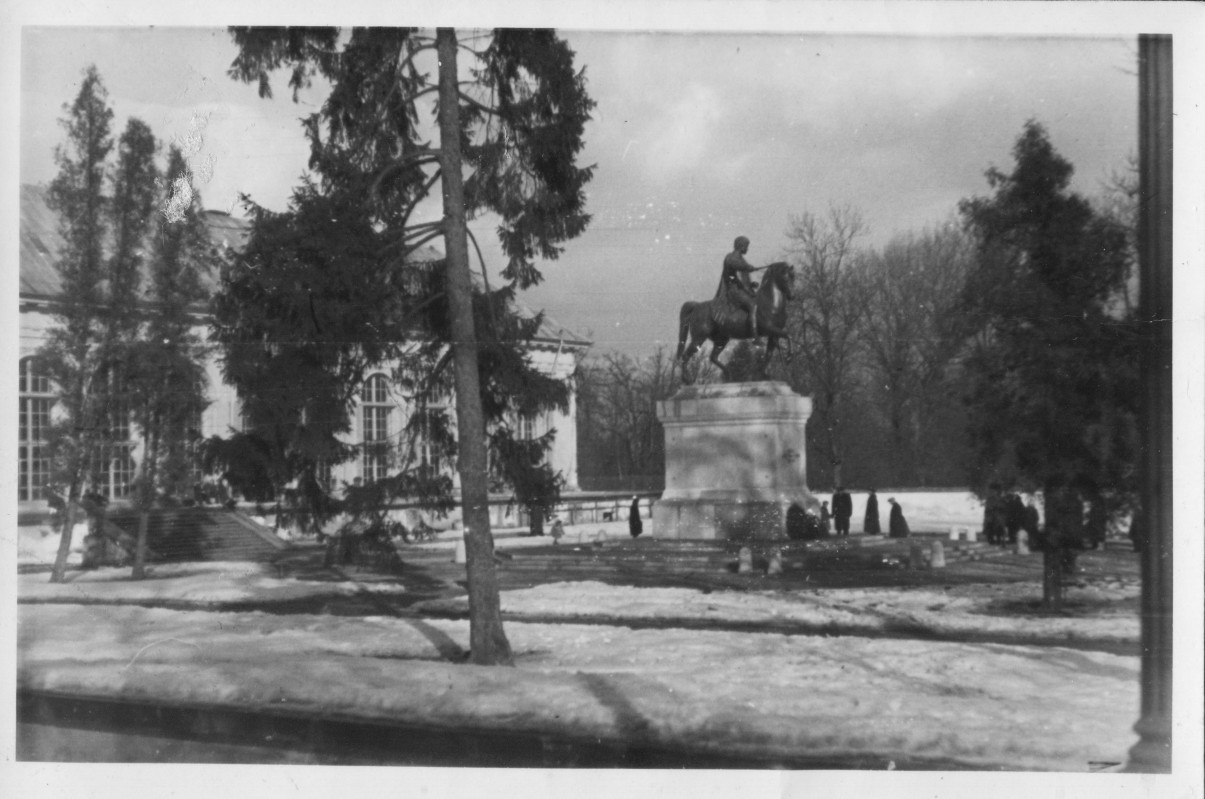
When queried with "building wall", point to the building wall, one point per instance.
{"points": [[222, 416], [560, 363]]}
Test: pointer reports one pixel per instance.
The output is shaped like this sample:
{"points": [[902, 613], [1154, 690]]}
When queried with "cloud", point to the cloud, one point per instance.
{"points": [[678, 140]]}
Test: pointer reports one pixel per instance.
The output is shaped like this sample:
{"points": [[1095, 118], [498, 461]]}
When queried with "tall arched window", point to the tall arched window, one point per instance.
{"points": [[119, 469], [374, 399], [432, 413], [36, 399]]}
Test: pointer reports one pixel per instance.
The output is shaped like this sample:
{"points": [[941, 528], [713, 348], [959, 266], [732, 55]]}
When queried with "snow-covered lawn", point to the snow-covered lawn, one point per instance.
{"points": [[989, 705], [202, 583], [1013, 707], [982, 609]]}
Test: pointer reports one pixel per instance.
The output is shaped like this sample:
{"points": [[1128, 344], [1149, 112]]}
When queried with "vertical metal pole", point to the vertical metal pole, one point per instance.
{"points": [[1152, 753]]}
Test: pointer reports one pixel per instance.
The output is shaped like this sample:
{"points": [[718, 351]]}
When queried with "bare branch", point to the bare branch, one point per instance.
{"points": [[489, 306], [478, 105], [422, 241], [421, 157]]}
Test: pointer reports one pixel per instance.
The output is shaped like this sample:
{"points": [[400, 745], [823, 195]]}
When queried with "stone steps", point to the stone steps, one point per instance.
{"points": [[213, 534]]}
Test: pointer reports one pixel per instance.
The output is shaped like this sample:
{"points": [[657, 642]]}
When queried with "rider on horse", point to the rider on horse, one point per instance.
{"points": [[734, 282]]}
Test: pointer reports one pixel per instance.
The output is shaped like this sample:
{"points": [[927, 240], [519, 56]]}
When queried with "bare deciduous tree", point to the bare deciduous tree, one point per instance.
{"points": [[826, 318], [912, 287]]}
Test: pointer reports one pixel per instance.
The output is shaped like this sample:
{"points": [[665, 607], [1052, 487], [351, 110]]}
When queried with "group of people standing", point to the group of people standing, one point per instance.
{"points": [[1005, 515], [843, 510]]}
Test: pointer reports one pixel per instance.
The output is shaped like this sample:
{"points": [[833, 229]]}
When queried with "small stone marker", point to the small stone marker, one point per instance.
{"points": [[745, 562], [916, 557], [775, 566], [954, 534], [600, 538], [461, 556], [1022, 542], [937, 555]]}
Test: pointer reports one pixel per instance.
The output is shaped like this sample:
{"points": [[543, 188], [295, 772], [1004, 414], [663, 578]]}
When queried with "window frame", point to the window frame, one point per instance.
{"points": [[376, 407], [36, 399]]}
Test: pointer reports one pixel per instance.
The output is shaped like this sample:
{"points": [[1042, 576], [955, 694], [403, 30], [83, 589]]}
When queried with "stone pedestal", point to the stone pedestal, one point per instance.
{"points": [[736, 464]]}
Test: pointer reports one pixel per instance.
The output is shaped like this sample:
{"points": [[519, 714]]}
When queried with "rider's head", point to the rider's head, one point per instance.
{"points": [[741, 244]]}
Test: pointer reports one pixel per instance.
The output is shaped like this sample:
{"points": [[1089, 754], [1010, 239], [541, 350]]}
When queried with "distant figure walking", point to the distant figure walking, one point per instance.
{"points": [[871, 524], [994, 527], [1014, 515], [558, 530], [825, 518], [635, 526], [897, 525], [843, 509]]}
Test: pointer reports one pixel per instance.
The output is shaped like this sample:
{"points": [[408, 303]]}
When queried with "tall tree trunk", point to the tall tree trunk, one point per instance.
{"points": [[59, 572], [487, 640], [146, 493], [140, 547], [1053, 547]]}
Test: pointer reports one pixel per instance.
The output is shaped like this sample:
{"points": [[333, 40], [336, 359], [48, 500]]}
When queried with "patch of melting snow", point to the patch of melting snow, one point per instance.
{"points": [[974, 703]]}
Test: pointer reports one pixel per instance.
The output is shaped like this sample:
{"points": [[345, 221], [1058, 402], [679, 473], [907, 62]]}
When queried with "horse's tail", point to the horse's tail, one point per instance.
{"points": [[683, 327]]}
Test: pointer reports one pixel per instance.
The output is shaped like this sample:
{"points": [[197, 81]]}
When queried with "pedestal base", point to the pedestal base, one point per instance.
{"points": [[711, 520], [735, 464]]}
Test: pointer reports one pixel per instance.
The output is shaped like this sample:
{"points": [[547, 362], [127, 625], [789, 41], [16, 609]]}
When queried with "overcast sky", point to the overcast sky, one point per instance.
{"points": [[697, 138]]}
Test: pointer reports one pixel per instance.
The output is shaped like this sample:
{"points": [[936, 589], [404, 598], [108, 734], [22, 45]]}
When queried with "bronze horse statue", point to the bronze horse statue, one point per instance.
{"points": [[719, 321]]}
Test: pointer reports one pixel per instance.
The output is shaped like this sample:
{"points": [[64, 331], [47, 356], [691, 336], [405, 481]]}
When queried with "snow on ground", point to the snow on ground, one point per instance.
{"points": [[986, 705], [211, 582], [1018, 707], [974, 609], [38, 545]]}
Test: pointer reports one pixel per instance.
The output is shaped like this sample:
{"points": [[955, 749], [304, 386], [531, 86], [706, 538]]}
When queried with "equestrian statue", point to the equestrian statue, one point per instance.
{"points": [[740, 309]]}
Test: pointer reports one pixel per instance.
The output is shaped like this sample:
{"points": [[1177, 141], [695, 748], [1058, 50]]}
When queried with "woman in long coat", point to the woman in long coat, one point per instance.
{"points": [[871, 525], [897, 525]]}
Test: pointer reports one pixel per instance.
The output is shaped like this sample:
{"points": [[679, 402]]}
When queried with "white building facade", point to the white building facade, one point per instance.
{"points": [[380, 416]]}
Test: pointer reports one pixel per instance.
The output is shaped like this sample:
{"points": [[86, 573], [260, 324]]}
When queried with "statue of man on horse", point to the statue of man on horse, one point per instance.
{"points": [[735, 285], [738, 311]]}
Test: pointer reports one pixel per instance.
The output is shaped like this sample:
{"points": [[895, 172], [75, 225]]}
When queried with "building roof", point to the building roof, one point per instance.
{"points": [[40, 244]]}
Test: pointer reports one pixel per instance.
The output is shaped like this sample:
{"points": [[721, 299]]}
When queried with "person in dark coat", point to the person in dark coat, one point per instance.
{"points": [[897, 525], [843, 509], [825, 518], [635, 526], [1030, 523], [1014, 515], [995, 514], [871, 524], [1065, 525]]}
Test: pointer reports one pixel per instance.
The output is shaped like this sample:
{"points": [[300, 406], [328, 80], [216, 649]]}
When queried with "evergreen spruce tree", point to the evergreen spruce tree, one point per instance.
{"points": [[131, 209], [71, 354], [1053, 367], [164, 367], [517, 125]]}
